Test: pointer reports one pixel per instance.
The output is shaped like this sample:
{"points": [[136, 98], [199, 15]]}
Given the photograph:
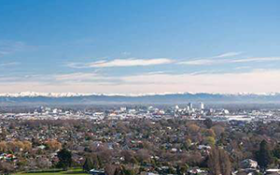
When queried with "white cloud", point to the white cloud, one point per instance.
{"points": [[122, 63], [9, 64], [126, 53], [201, 62], [82, 77], [9, 47], [77, 65], [256, 59], [211, 60], [243, 67], [76, 76], [228, 54], [3, 53]]}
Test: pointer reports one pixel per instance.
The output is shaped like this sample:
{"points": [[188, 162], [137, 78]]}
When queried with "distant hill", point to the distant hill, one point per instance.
{"points": [[180, 98]]}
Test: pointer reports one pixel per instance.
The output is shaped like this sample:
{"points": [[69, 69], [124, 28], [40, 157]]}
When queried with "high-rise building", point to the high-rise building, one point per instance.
{"points": [[201, 106], [190, 106]]}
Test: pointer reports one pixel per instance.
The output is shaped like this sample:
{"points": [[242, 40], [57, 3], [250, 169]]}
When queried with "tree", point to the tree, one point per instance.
{"points": [[109, 169], [65, 158], [27, 145], [181, 170], [143, 156], [209, 132], [210, 140], [128, 171], [3, 146], [208, 123], [218, 129], [276, 151], [118, 171], [263, 155], [53, 145], [219, 162], [88, 165], [6, 168], [43, 163], [193, 128], [124, 171]]}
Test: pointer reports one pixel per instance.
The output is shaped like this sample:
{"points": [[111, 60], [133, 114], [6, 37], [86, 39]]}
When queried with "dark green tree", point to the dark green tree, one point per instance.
{"points": [[208, 123], [65, 159], [263, 155], [128, 172], [181, 170], [88, 165], [99, 162], [276, 151]]}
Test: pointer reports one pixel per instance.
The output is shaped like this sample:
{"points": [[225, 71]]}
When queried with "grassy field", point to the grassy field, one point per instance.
{"points": [[70, 172]]}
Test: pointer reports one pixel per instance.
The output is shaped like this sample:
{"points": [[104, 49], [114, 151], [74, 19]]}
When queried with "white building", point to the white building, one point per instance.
{"points": [[201, 106]]}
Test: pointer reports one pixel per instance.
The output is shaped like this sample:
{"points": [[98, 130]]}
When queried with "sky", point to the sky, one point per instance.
{"points": [[140, 47]]}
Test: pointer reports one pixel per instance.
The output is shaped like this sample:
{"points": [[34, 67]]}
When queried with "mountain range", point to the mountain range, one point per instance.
{"points": [[167, 98]]}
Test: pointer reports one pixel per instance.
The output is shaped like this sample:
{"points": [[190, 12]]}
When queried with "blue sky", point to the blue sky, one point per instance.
{"points": [[145, 46]]}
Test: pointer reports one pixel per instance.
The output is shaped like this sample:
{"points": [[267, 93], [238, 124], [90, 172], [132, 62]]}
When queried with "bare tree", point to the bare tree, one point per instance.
{"points": [[219, 162]]}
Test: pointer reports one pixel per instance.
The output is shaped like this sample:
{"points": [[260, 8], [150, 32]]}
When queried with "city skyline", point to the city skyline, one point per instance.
{"points": [[139, 47]]}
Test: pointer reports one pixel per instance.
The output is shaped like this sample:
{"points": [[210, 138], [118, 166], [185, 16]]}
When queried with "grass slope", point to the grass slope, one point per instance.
{"points": [[70, 172]]}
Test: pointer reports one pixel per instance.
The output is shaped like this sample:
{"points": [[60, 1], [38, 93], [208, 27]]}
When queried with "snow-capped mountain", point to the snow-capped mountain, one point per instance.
{"points": [[38, 94], [165, 98]]}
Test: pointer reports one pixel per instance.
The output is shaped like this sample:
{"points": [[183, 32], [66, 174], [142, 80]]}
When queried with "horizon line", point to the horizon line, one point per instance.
{"points": [[77, 94]]}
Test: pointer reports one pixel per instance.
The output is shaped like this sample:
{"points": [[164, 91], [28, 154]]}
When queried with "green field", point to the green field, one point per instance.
{"points": [[73, 172]]}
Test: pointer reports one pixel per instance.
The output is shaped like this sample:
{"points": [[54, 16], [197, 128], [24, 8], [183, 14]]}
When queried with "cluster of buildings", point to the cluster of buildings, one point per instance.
{"points": [[34, 139], [190, 111]]}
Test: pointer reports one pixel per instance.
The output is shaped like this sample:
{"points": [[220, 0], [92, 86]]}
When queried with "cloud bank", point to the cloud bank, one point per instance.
{"points": [[257, 81]]}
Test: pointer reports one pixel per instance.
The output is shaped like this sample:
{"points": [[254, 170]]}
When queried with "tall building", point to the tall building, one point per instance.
{"points": [[190, 106], [201, 106]]}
